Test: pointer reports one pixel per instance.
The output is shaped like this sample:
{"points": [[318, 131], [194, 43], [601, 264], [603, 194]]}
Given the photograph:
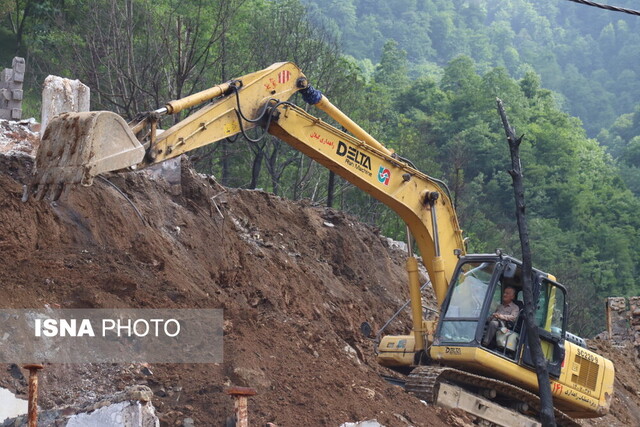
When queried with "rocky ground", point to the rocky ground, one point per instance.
{"points": [[294, 280]]}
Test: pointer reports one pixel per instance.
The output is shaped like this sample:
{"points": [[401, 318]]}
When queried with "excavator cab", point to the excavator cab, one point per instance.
{"points": [[475, 293]]}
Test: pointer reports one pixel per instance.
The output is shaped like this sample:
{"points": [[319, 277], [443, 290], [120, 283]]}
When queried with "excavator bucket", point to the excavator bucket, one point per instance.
{"points": [[78, 146]]}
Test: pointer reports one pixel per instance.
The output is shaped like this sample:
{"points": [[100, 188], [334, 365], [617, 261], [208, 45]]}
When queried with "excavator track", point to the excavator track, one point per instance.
{"points": [[424, 382]]}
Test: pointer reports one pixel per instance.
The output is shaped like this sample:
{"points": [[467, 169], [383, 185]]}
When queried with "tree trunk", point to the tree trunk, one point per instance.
{"points": [[255, 169], [224, 163], [331, 188], [544, 387]]}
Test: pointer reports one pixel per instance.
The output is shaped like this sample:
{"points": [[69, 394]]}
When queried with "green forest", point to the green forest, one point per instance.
{"points": [[421, 76]]}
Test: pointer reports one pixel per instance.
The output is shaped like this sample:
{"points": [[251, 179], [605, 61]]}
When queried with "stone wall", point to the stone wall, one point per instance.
{"points": [[634, 319], [623, 319]]}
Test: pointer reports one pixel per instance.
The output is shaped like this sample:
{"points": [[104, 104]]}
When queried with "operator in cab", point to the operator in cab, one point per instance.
{"points": [[506, 313]]}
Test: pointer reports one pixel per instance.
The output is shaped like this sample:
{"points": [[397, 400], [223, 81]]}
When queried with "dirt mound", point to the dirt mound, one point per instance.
{"points": [[625, 409], [295, 282]]}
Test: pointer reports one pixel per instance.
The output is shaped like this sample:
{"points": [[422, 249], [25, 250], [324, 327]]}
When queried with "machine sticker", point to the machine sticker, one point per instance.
{"points": [[231, 127], [581, 389], [454, 350], [581, 398], [587, 356], [354, 158], [271, 84], [556, 388], [384, 175], [324, 141], [284, 76]]}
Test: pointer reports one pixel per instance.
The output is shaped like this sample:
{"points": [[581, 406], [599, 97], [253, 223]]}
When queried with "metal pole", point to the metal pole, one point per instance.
{"points": [[240, 397], [33, 393]]}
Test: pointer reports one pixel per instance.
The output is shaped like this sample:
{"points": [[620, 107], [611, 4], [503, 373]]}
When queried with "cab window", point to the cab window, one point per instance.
{"points": [[465, 303], [470, 290], [550, 308]]}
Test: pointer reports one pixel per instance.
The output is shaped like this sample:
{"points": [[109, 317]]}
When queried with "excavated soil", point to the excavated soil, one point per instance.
{"points": [[294, 280]]}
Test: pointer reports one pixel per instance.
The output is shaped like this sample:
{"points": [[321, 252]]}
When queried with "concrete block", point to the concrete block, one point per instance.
{"points": [[18, 64], [5, 114], [16, 113], [17, 94], [18, 77], [6, 75], [617, 303], [129, 414], [61, 95], [5, 94]]}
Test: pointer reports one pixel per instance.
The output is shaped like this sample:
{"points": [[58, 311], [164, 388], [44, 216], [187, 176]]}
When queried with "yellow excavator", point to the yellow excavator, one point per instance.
{"points": [[444, 359]]}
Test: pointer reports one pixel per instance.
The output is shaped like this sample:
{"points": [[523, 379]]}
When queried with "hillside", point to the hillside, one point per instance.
{"points": [[294, 280], [586, 54]]}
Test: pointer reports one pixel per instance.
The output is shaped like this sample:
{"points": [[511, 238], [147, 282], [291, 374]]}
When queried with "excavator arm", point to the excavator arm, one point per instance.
{"points": [[420, 201], [78, 146]]}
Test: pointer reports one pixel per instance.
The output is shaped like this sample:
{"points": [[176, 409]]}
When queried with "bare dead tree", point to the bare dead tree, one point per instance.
{"points": [[284, 33], [136, 56], [540, 362]]}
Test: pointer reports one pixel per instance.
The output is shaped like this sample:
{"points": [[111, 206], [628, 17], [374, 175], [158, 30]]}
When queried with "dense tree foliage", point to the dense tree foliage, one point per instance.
{"points": [[588, 55], [422, 77]]}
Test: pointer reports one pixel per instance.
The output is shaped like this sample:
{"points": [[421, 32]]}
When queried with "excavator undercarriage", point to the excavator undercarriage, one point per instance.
{"points": [[492, 400]]}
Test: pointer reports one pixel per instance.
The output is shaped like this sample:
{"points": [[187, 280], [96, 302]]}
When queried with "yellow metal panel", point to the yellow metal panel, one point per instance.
{"points": [[575, 400], [219, 120], [396, 350], [389, 180]]}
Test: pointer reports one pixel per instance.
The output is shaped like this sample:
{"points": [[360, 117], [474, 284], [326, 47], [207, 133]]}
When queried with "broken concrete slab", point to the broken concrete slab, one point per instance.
{"points": [[129, 408], [60, 95], [10, 405], [368, 423], [129, 414]]}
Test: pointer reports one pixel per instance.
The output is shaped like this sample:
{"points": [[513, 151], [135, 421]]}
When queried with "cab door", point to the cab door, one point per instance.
{"points": [[550, 320], [464, 309]]}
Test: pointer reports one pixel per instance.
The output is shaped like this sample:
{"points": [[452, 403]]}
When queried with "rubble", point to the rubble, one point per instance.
{"points": [[19, 137], [287, 318]]}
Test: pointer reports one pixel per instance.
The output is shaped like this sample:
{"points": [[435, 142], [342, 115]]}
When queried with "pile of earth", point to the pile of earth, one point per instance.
{"points": [[294, 280]]}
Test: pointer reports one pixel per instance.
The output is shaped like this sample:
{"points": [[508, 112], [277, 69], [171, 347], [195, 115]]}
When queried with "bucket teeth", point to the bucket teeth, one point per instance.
{"points": [[46, 191]]}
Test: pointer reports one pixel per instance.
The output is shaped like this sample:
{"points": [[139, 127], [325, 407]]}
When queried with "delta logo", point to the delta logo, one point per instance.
{"points": [[384, 175]]}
